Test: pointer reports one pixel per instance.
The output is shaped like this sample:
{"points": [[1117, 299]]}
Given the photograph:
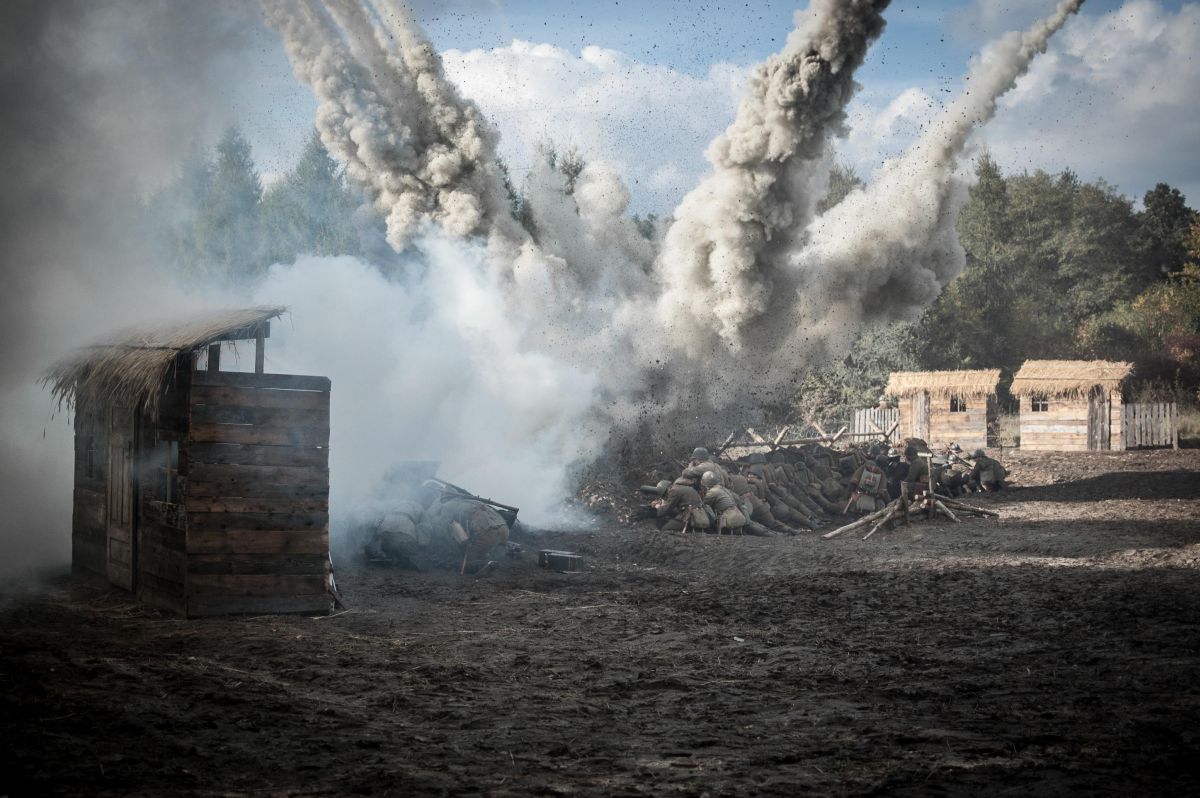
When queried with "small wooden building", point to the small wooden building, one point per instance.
{"points": [[203, 492], [944, 407], [1071, 405]]}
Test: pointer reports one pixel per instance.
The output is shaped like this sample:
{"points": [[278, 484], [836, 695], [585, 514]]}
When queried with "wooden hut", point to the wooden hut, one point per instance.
{"points": [[203, 492], [944, 407], [1071, 405]]}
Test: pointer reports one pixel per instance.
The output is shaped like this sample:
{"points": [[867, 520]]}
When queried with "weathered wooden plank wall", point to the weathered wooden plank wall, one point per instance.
{"points": [[1062, 426], [1151, 425], [256, 493]]}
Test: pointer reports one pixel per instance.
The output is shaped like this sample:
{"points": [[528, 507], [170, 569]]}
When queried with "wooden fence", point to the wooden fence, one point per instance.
{"points": [[1150, 425], [876, 422]]}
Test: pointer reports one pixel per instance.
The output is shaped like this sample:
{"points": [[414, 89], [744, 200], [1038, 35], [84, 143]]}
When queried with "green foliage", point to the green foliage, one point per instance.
{"points": [[832, 392], [1163, 230], [310, 210], [216, 224]]}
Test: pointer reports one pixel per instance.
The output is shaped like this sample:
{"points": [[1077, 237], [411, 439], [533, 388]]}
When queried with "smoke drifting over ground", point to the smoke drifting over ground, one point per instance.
{"points": [[509, 356]]}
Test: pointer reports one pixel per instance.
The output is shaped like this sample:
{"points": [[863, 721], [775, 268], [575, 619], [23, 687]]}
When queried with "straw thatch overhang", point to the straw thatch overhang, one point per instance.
{"points": [[131, 368], [943, 384], [1069, 378]]}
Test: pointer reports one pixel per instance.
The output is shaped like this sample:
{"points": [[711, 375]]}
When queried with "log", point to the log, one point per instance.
{"points": [[957, 505], [879, 525], [946, 511], [866, 519]]}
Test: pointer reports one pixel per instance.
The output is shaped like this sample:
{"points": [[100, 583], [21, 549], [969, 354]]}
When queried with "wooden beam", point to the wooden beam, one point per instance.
{"points": [[779, 437], [260, 350], [214, 358]]}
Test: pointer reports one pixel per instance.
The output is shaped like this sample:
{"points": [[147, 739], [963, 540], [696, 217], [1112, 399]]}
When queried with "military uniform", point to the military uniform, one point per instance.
{"points": [[399, 535], [681, 507], [459, 527], [988, 474], [725, 505]]}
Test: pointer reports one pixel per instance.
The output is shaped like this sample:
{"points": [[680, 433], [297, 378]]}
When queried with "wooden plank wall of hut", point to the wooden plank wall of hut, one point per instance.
{"points": [[89, 517], [256, 491], [967, 428], [1061, 427], [162, 549]]}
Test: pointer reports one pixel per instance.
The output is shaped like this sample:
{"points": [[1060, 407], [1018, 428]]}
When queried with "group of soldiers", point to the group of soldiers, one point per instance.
{"points": [[440, 527], [789, 490], [782, 492]]}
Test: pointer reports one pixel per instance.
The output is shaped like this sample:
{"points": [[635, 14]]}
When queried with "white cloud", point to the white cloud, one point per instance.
{"points": [[652, 121], [1114, 97]]}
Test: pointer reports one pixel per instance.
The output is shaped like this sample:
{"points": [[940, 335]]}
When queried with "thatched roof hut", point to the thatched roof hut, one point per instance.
{"points": [[129, 368], [943, 384], [203, 491], [1069, 378]]}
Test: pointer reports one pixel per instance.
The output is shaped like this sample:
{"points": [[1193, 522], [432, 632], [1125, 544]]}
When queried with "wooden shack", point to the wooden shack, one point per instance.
{"points": [[201, 490], [944, 407], [1071, 405]]}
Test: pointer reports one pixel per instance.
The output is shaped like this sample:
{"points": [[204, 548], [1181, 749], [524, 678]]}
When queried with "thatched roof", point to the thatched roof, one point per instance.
{"points": [[943, 384], [132, 366], [1069, 377]]}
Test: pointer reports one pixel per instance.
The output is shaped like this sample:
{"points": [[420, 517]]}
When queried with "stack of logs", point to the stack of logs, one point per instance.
{"points": [[903, 509]]}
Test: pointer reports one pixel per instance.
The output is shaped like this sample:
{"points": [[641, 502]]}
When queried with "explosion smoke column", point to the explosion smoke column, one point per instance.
{"points": [[720, 255], [748, 287], [888, 249]]}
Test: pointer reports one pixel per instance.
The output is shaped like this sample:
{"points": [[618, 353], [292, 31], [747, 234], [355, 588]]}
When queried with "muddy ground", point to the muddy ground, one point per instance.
{"points": [[1054, 651]]}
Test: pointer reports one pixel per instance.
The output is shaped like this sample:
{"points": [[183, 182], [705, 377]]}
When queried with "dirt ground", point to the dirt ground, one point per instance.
{"points": [[1053, 651]]}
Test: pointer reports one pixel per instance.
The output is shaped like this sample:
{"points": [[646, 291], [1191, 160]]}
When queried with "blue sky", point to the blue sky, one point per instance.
{"points": [[668, 77]]}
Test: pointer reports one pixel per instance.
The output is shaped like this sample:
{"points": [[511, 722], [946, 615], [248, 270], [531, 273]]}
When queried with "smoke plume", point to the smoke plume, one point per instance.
{"points": [[721, 255]]}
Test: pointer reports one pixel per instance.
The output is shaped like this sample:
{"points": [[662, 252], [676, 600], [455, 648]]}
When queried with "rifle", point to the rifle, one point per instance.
{"points": [[507, 511]]}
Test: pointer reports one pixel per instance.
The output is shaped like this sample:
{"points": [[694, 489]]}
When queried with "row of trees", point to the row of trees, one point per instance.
{"points": [[216, 223]]}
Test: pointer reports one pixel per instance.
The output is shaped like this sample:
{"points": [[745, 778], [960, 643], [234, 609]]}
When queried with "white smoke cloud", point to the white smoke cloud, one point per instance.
{"points": [[431, 368], [649, 120]]}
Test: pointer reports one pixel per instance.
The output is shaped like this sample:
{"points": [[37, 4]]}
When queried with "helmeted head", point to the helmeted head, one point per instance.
{"points": [[758, 471], [709, 479], [893, 454], [954, 447], [700, 453], [979, 453], [684, 482], [660, 489]]}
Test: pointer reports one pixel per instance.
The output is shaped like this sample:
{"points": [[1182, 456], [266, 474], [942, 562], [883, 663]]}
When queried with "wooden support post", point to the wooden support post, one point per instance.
{"points": [[260, 351], [214, 358], [779, 437]]}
